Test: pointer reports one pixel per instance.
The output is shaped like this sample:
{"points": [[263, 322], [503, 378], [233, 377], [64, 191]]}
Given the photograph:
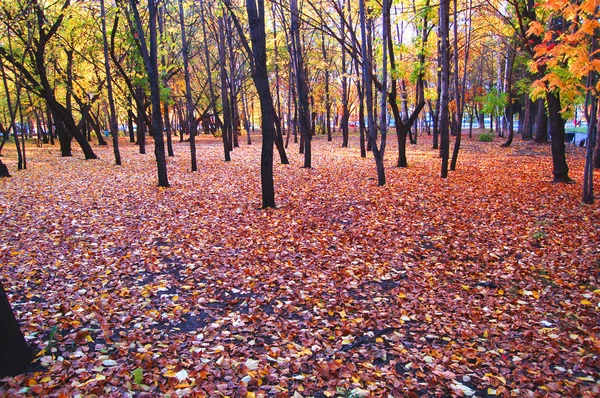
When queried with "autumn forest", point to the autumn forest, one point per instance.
{"points": [[325, 198]]}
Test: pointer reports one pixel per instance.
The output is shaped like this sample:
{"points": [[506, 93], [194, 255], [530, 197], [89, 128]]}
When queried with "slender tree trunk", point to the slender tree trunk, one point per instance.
{"points": [[141, 120], [114, 128], [189, 120], [224, 96], [165, 82], [588, 175], [327, 95], [150, 56], [233, 89], [509, 113], [367, 68], [445, 87], [130, 126], [256, 19], [345, 89], [460, 87], [12, 111], [301, 86]]}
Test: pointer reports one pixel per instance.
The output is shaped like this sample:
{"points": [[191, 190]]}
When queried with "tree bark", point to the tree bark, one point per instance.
{"points": [[150, 55], [557, 129], [301, 85], [114, 128], [541, 123], [189, 120], [369, 98], [15, 354], [226, 130], [444, 84]]}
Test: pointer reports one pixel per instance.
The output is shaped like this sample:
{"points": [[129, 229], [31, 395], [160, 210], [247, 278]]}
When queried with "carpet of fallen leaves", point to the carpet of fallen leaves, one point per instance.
{"points": [[483, 284]]}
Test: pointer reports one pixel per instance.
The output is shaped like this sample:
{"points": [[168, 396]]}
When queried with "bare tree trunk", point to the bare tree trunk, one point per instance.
{"points": [[541, 122], [150, 55], [224, 96], [15, 354], [114, 128], [189, 120], [301, 85], [367, 69], [588, 175], [444, 84], [459, 87]]}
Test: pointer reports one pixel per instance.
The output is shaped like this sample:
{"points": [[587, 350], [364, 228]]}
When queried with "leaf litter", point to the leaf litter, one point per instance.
{"points": [[484, 284]]}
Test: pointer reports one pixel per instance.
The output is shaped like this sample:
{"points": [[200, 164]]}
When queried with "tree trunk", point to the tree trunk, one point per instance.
{"points": [[226, 130], [527, 128], [588, 175], [15, 354], [541, 123], [3, 170], [369, 98], [189, 120], [445, 86], [258, 55], [345, 90], [150, 56], [301, 85], [557, 130]]}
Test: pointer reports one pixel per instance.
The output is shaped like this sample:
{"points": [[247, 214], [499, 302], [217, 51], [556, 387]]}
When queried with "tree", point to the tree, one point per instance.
{"points": [[15, 354], [227, 119], [114, 128], [189, 105], [444, 32], [367, 68], [149, 53], [258, 61], [34, 23], [301, 85]]}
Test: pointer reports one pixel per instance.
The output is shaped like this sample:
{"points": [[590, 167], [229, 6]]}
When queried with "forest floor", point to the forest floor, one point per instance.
{"points": [[486, 283]]}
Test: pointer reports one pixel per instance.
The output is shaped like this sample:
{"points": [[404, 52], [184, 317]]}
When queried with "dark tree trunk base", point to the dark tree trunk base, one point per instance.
{"points": [[3, 170], [15, 354], [563, 180]]}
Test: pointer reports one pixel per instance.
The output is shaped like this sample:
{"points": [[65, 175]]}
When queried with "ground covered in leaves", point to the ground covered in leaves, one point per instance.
{"points": [[484, 284]]}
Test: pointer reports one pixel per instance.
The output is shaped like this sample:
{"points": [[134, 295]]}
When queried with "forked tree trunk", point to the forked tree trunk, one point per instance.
{"points": [[150, 55], [367, 69]]}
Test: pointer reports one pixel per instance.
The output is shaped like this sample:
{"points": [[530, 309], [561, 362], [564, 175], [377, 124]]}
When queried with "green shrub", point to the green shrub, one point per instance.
{"points": [[486, 137]]}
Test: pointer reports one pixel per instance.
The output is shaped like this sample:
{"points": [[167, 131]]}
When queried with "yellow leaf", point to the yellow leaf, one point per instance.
{"points": [[250, 394], [586, 302], [170, 373], [45, 379]]}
